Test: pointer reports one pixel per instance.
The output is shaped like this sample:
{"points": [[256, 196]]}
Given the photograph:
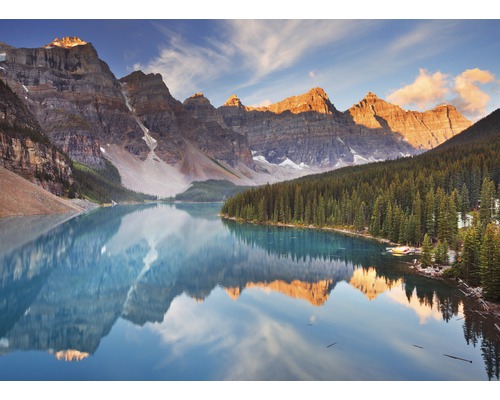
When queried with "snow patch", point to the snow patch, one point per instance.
{"points": [[290, 164], [25, 88], [3, 57], [2, 68], [340, 140], [360, 159], [103, 249], [103, 150], [261, 159], [4, 342]]}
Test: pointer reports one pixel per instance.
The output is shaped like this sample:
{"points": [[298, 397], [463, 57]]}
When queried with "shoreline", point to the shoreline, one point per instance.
{"points": [[434, 272], [313, 227]]}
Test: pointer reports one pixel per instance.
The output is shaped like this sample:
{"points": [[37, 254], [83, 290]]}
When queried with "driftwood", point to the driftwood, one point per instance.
{"points": [[416, 345], [496, 326], [330, 345], [457, 358]]}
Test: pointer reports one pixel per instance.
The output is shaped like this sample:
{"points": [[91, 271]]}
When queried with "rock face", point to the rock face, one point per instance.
{"points": [[316, 100], [26, 151], [308, 130], [422, 130], [75, 98]]}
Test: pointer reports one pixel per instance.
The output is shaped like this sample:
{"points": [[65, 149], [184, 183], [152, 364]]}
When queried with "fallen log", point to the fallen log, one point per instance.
{"points": [[457, 358]]}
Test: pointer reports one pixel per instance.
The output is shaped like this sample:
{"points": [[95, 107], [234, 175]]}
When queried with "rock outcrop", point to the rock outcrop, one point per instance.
{"points": [[26, 151]]}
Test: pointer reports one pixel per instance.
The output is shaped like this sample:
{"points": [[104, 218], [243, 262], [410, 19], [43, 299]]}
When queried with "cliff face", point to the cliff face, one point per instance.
{"points": [[26, 151], [75, 98], [422, 130]]}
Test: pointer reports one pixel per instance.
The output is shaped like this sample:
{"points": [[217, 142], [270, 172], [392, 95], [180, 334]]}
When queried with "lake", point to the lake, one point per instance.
{"points": [[173, 293]]}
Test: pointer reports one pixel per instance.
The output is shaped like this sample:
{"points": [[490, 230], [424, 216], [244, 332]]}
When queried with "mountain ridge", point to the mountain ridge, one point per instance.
{"points": [[91, 115]]}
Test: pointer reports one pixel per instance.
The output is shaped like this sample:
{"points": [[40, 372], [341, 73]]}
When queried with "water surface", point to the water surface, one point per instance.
{"points": [[172, 292]]}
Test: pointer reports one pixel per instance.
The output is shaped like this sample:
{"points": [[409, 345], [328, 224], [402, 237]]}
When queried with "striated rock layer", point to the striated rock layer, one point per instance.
{"points": [[26, 151]]}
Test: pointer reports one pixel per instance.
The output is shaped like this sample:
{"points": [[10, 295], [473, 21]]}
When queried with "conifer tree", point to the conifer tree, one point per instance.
{"points": [[470, 266], [490, 263], [426, 258], [487, 201]]}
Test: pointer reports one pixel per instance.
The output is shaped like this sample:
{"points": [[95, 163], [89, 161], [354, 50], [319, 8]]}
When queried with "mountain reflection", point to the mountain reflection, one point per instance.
{"points": [[63, 291]]}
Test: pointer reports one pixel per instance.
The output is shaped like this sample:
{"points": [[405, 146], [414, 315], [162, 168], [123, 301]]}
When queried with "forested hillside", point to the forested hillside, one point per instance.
{"points": [[401, 200]]}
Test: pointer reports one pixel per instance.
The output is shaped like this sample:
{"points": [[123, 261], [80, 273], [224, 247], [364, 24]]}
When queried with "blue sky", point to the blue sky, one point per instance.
{"points": [[416, 63]]}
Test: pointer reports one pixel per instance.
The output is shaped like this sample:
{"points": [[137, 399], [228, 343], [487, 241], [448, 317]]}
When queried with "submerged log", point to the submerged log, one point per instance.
{"points": [[457, 358]]}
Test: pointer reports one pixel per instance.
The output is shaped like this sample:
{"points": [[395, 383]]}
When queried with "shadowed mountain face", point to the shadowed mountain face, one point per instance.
{"points": [[88, 113]]}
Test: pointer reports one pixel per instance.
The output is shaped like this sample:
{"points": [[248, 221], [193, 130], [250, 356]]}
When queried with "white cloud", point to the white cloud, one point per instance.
{"points": [[312, 74], [429, 90], [472, 100], [425, 92]]}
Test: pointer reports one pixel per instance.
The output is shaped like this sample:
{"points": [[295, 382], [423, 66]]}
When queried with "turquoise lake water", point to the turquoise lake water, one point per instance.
{"points": [[172, 292]]}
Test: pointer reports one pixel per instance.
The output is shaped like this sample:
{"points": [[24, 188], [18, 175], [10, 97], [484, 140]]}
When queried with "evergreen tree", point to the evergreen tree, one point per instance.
{"points": [[490, 263], [441, 253], [426, 258], [470, 266], [487, 201]]}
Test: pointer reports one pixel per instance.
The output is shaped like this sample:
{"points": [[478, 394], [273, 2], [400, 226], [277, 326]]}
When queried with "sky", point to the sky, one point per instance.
{"points": [[414, 63]]}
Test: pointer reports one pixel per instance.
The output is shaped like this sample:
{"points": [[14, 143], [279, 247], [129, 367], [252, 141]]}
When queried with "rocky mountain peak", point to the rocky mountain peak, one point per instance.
{"points": [[233, 101], [197, 101], [371, 97], [314, 100], [66, 42]]}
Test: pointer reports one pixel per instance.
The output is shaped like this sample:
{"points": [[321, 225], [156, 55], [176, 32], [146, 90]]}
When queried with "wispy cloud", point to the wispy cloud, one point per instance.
{"points": [[425, 38], [184, 65], [253, 49]]}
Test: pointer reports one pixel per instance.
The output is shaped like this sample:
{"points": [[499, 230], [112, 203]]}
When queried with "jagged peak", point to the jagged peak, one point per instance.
{"points": [[66, 42], [196, 100], [319, 91], [233, 101], [315, 100], [370, 96]]}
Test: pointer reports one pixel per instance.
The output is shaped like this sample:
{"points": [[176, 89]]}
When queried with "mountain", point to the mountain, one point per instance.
{"points": [[308, 132], [161, 145], [423, 131]]}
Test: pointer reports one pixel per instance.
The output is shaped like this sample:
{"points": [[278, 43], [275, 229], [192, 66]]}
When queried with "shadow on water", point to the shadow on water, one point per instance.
{"points": [[64, 289]]}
